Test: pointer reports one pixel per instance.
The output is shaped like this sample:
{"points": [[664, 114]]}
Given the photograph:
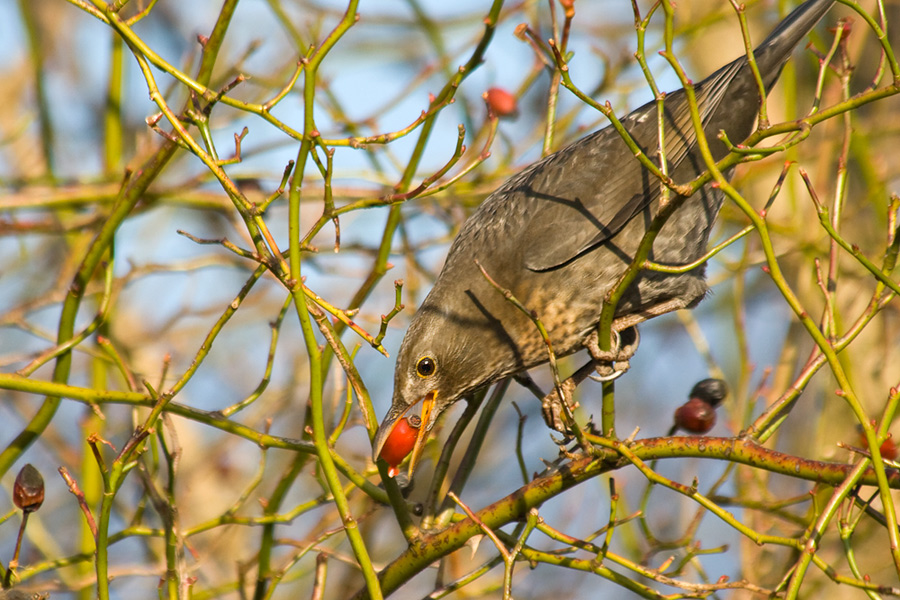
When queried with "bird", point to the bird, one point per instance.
{"points": [[560, 233]]}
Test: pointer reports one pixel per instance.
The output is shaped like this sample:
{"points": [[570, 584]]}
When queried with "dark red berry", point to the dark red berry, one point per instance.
{"points": [[695, 416], [28, 489]]}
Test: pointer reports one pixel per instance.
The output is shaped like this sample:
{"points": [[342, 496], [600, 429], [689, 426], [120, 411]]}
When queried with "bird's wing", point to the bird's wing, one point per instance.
{"points": [[584, 194]]}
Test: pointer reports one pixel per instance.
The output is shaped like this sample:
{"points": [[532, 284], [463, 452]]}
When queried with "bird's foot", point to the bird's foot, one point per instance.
{"points": [[611, 364], [555, 408]]}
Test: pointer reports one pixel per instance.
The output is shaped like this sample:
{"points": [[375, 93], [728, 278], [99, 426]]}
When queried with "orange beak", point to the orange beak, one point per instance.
{"points": [[422, 435], [387, 428]]}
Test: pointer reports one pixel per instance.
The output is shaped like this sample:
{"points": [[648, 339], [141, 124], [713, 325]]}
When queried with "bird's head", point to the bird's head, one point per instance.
{"points": [[436, 366]]}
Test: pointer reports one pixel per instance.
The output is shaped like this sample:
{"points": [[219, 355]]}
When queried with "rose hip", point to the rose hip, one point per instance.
{"points": [[502, 103], [400, 443]]}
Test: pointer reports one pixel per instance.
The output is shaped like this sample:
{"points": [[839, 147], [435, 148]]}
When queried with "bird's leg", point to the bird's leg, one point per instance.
{"points": [[635, 318], [525, 380], [610, 364], [613, 363], [551, 405]]}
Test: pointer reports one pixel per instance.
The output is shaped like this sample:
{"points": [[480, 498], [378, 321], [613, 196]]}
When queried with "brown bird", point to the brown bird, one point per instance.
{"points": [[560, 233]]}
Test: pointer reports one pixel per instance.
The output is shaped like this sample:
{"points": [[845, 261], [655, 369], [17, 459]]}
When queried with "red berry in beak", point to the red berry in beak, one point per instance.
{"points": [[400, 443]]}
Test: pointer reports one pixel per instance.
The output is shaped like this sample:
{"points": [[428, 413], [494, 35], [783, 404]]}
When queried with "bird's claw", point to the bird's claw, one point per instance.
{"points": [[608, 365], [553, 409], [606, 372], [612, 364]]}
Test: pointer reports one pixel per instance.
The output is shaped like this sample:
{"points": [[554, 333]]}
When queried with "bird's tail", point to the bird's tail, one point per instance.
{"points": [[774, 51]]}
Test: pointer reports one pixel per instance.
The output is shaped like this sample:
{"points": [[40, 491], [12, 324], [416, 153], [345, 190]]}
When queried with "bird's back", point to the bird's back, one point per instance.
{"points": [[558, 234]]}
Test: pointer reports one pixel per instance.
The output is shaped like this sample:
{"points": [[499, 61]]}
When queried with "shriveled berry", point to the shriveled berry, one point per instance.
{"points": [[400, 443], [712, 391], [695, 416], [28, 489], [501, 102]]}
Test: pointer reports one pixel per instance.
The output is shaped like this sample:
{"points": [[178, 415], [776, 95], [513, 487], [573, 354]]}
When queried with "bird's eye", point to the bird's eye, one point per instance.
{"points": [[426, 367]]}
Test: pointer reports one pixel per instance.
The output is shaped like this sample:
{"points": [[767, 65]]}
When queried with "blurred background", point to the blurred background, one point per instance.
{"points": [[74, 110]]}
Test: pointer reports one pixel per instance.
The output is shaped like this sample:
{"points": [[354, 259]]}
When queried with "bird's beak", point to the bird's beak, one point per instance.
{"points": [[381, 436], [390, 422], [422, 435]]}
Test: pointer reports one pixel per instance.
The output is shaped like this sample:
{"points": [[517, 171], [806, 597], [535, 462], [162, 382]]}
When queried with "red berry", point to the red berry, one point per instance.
{"points": [[501, 102], [400, 443], [695, 416], [888, 450]]}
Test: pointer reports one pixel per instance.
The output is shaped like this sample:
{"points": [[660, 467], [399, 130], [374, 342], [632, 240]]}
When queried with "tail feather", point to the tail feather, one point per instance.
{"points": [[772, 54]]}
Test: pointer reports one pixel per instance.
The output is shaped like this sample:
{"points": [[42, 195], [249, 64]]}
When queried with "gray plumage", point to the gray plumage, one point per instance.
{"points": [[560, 233]]}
